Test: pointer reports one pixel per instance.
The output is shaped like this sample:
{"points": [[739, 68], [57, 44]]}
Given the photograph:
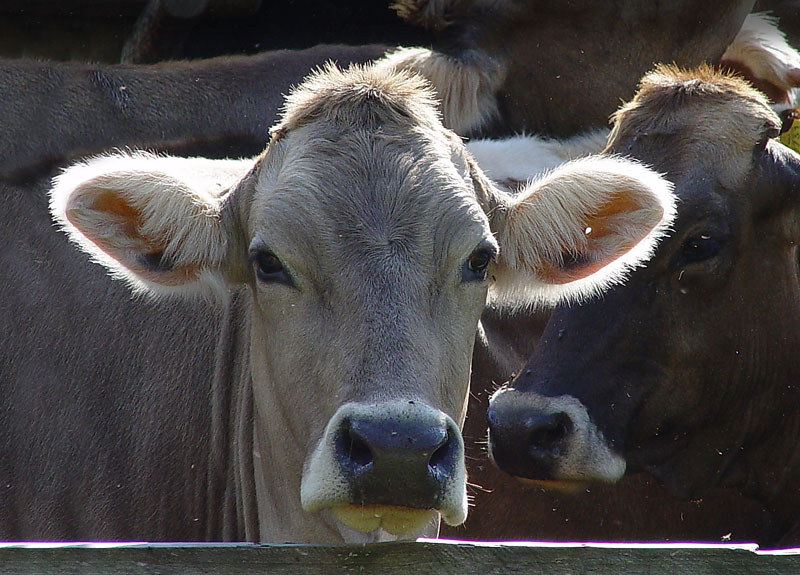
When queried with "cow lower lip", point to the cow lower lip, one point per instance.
{"points": [[398, 521]]}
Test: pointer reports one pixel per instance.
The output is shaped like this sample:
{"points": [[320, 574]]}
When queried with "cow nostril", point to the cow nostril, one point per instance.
{"points": [[359, 452], [353, 450], [443, 455], [547, 434]]}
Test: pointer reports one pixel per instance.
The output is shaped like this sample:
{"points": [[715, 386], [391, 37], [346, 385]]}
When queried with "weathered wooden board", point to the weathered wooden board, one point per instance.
{"points": [[409, 558]]}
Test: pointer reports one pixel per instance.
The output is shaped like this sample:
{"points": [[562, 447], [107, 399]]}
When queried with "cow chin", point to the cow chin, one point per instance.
{"points": [[397, 521]]}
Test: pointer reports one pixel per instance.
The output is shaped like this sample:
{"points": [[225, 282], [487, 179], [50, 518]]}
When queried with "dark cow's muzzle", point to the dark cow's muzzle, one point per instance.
{"points": [[548, 439]]}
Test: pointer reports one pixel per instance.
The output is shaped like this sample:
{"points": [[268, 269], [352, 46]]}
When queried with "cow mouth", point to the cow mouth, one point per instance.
{"points": [[398, 521]]}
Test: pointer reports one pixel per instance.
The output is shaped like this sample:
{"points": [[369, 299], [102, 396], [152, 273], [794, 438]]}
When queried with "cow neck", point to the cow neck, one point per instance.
{"points": [[775, 473], [772, 457], [231, 497], [767, 468]]}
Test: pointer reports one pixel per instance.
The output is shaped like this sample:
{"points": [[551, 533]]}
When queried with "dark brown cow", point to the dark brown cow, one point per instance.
{"points": [[514, 65], [541, 55], [688, 371], [601, 512]]}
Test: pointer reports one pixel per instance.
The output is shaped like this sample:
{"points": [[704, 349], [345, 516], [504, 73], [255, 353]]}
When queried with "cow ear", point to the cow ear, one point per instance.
{"points": [[761, 54], [578, 230], [157, 222]]}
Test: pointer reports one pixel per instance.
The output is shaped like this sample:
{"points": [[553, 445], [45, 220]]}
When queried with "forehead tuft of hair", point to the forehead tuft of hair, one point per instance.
{"points": [[670, 98], [360, 96]]}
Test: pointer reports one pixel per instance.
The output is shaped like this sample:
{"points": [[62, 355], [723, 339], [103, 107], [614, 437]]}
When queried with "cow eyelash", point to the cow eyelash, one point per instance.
{"points": [[476, 268], [268, 267], [700, 248]]}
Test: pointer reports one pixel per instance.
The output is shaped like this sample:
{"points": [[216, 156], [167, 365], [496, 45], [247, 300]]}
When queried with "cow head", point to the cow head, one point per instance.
{"points": [[688, 370], [369, 241]]}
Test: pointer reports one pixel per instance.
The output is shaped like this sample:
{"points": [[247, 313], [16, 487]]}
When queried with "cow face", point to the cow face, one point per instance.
{"points": [[369, 242], [687, 370]]}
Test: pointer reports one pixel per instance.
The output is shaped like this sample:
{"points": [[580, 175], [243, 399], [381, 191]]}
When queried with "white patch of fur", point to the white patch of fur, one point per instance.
{"points": [[466, 90], [179, 202], [762, 47], [547, 219], [522, 158]]}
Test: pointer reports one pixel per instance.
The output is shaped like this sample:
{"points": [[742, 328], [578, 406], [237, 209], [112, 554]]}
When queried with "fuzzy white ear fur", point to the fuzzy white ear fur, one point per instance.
{"points": [[578, 230], [153, 221]]}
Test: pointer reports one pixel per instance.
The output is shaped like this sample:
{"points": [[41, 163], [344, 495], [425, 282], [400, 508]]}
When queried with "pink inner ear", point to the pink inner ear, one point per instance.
{"points": [[605, 242], [127, 245], [118, 210]]}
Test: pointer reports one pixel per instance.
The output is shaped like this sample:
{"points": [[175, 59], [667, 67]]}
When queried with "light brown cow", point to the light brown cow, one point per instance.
{"points": [[369, 241]]}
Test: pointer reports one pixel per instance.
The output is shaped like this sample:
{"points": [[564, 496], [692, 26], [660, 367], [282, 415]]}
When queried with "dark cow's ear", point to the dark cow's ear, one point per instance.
{"points": [[577, 230], [777, 183], [155, 221]]}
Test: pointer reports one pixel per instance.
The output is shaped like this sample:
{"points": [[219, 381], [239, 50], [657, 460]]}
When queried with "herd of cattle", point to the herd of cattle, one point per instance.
{"points": [[308, 345]]}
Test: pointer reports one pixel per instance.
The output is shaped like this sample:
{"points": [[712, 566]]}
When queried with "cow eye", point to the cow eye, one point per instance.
{"points": [[269, 268], [699, 248], [477, 265]]}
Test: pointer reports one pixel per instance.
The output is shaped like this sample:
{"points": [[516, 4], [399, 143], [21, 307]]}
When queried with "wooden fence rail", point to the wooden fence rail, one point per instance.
{"points": [[406, 558]]}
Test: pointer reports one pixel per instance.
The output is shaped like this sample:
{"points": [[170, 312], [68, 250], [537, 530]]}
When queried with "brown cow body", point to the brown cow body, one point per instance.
{"points": [[589, 54], [222, 107], [533, 58]]}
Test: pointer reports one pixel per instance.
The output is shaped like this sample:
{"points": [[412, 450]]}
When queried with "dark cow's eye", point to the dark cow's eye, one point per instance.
{"points": [[699, 248], [477, 266], [269, 268]]}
